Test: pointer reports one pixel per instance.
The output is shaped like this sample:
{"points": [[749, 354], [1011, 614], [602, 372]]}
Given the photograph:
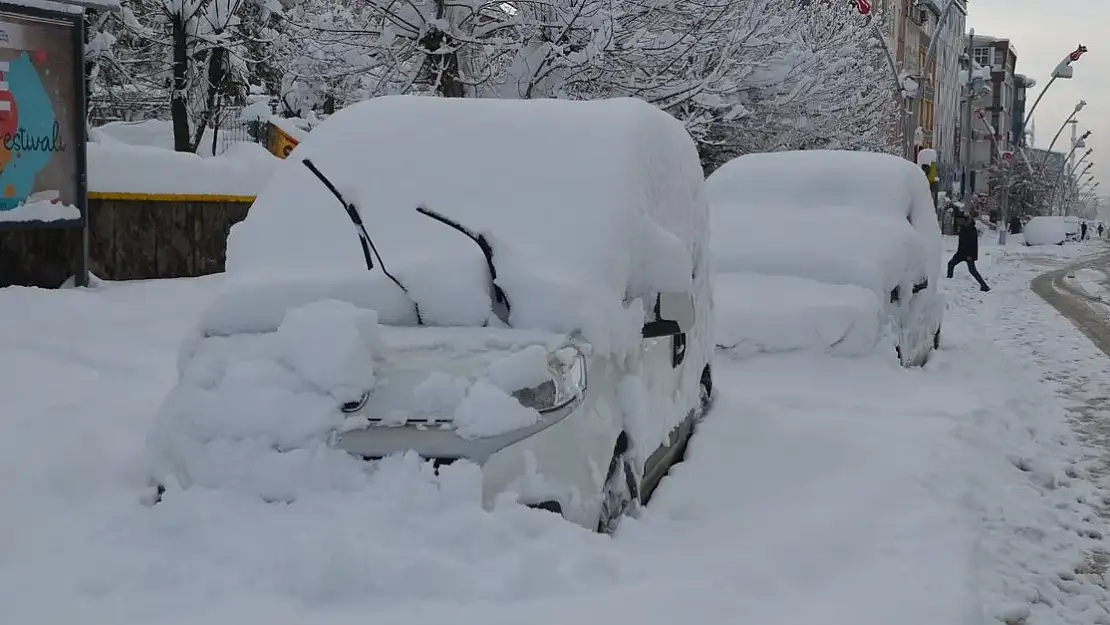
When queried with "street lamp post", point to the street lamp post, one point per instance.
{"points": [[1072, 190], [1078, 143], [1078, 107], [1063, 70], [1071, 185]]}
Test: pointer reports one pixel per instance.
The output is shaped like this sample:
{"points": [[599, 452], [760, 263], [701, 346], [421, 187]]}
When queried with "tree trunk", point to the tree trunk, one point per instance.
{"points": [[444, 68], [179, 109], [217, 75]]}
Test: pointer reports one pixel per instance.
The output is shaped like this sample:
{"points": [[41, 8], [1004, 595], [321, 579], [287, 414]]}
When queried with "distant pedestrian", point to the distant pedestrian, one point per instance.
{"points": [[967, 251], [1100, 231], [1083, 231]]}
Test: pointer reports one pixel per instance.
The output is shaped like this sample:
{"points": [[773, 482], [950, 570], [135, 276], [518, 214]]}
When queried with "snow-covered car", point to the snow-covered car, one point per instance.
{"points": [[519, 284], [1046, 230], [841, 218]]}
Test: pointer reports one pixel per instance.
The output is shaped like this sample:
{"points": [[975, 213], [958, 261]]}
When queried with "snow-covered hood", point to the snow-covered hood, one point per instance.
{"points": [[835, 246], [478, 381], [450, 290], [251, 407]]}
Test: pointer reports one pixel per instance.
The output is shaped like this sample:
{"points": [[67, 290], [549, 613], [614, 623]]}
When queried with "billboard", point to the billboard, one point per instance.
{"points": [[42, 111]]}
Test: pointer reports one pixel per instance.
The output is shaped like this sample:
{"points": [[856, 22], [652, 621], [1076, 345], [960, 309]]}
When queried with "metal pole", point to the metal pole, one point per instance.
{"points": [[1004, 208], [970, 109], [1059, 132], [1080, 162], [1060, 176], [899, 90], [1029, 115]]}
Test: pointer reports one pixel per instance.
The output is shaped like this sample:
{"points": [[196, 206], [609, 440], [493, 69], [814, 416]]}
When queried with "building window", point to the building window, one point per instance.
{"points": [[982, 56]]}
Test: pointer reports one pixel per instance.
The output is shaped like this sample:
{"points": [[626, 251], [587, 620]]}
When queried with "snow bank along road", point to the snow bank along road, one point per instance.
{"points": [[819, 490]]}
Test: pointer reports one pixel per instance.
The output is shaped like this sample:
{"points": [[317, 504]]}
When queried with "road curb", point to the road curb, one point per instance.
{"points": [[1086, 312]]}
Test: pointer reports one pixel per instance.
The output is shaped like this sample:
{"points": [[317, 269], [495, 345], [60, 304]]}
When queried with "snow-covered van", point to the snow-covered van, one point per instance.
{"points": [[1046, 230], [522, 285], [842, 218]]}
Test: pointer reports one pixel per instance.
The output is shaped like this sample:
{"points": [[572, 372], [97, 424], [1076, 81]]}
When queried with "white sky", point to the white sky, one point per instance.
{"points": [[1042, 32]]}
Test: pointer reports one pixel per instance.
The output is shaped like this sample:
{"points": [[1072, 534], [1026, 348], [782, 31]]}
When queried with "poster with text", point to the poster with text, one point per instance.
{"points": [[39, 123]]}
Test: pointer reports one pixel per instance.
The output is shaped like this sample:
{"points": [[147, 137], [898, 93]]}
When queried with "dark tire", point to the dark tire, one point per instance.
{"points": [[620, 496], [706, 385]]}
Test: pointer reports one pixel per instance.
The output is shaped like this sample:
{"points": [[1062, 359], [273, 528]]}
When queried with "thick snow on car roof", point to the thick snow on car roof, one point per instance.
{"points": [[566, 191], [829, 188], [870, 181]]}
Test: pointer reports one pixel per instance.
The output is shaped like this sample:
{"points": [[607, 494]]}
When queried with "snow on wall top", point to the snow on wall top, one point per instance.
{"points": [[119, 167], [583, 202]]}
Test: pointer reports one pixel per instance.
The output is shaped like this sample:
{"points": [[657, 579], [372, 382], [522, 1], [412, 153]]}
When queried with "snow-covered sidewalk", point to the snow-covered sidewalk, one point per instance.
{"points": [[1043, 540], [820, 489]]}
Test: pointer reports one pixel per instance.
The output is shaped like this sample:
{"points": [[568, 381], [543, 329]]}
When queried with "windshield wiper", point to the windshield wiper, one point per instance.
{"points": [[363, 236], [501, 306]]}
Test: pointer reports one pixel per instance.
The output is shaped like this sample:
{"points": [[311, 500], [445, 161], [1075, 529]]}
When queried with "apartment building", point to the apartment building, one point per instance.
{"points": [[1000, 57], [1022, 84], [912, 25], [947, 112]]}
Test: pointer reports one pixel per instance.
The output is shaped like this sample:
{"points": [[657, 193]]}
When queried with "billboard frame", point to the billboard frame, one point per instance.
{"points": [[75, 20]]}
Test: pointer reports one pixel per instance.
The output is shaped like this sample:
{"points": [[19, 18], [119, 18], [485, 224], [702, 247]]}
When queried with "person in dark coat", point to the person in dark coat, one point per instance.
{"points": [[967, 251], [1100, 231], [1083, 231]]}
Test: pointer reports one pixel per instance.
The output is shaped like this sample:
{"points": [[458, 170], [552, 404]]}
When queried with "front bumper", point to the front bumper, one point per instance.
{"points": [[437, 439]]}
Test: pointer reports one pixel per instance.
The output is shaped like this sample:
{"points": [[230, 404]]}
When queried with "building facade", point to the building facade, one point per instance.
{"points": [[997, 104], [947, 112], [912, 26], [1022, 85]]}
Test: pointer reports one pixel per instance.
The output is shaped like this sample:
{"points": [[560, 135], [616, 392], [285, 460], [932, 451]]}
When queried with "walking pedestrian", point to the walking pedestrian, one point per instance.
{"points": [[967, 250], [1100, 230], [1083, 231]]}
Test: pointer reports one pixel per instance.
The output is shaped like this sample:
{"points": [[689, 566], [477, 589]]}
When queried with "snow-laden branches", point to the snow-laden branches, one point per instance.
{"points": [[743, 75]]}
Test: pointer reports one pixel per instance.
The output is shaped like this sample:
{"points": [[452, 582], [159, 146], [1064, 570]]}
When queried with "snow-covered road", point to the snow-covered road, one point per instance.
{"points": [[819, 490]]}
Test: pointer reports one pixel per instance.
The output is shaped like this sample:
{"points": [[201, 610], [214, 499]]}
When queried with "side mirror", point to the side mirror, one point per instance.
{"points": [[674, 314]]}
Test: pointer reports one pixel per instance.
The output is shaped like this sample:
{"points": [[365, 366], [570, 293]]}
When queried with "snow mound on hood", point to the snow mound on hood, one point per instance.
{"points": [[253, 412]]}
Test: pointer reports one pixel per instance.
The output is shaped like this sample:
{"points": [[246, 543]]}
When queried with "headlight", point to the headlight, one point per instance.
{"points": [[356, 405], [567, 383]]}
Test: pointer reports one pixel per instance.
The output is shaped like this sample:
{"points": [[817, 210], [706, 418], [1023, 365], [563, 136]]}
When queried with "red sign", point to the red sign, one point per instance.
{"points": [[863, 6], [1074, 56], [1007, 156]]}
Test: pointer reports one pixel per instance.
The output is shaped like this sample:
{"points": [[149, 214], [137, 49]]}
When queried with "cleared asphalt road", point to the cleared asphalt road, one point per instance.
{"points": [[1090, 313]]}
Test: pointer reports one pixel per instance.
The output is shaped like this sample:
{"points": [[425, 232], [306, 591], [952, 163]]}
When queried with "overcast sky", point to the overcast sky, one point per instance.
{"points": [[1043, 32]]}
